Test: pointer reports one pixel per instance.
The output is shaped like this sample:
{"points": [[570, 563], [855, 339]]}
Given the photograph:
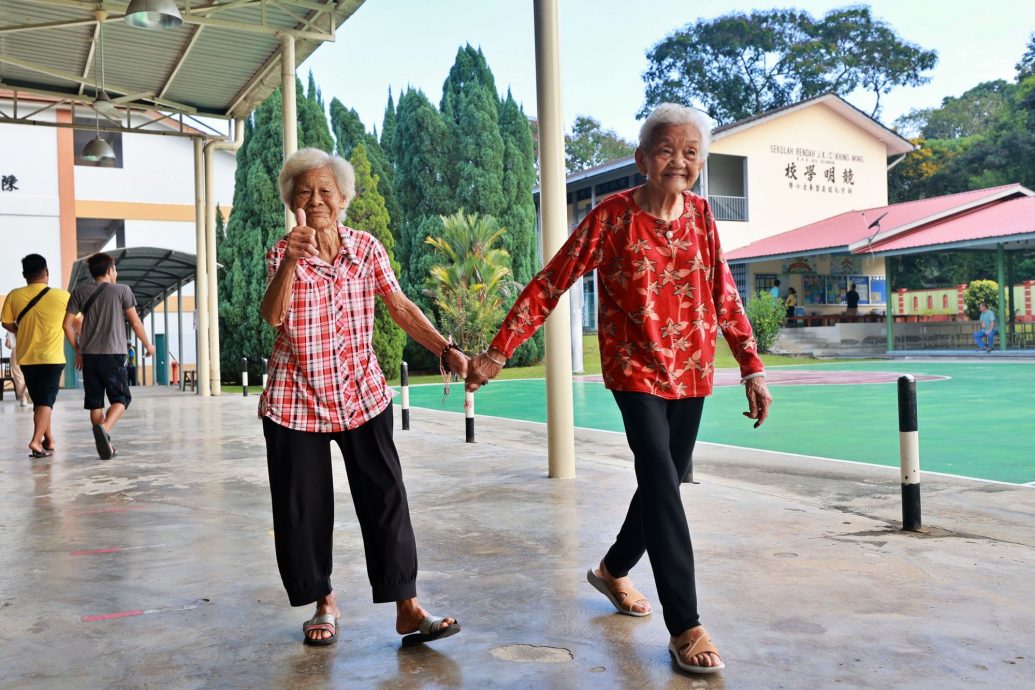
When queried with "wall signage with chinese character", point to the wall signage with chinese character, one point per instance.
{"points": [[8, 183], [817, 171]]}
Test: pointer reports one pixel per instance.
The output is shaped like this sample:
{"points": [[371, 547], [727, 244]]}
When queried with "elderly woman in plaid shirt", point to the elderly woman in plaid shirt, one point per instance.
{"points": [[326, 386], [665, 293]]}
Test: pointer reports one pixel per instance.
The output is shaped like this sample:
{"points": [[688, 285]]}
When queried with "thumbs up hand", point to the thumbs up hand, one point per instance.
{"points": [[301, 240]]}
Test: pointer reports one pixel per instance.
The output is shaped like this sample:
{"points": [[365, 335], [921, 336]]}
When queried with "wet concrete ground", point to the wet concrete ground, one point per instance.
{"points": [[156, 569]]}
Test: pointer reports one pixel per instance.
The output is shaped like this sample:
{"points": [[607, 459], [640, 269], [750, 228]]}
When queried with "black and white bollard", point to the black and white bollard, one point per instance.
{"points": [[469, 415], [909, 453], [404, 384], [244, 376], [265, 372]]}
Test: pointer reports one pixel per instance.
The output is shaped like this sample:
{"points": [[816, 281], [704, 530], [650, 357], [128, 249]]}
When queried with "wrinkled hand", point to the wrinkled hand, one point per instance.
{"points": [[301, 241], [759, 399], [484, 368], [458, 362]]}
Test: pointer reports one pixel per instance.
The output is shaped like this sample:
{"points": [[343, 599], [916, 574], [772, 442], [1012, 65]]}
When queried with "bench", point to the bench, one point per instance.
{"points": [[190, 376]]}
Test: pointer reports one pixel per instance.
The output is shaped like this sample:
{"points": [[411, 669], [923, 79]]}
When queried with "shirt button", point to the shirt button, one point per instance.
{"points": [[668, 234]]}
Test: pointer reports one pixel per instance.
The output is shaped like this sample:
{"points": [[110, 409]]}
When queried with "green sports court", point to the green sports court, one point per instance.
{"points": [[977, 419]]}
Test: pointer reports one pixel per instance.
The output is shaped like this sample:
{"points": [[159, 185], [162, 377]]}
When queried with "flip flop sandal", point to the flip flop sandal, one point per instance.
{"points": [[324, 621], [702, 644], [103, 442], [631, 595], [40, 454], [431, 628]]}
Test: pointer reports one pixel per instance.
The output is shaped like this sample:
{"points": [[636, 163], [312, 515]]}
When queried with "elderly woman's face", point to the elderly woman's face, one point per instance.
{"points": [[674, 160], [316, 193]]}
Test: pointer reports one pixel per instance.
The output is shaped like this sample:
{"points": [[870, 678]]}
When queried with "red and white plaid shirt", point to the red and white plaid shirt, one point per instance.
{"points": [[323, 375], [665, 290]]}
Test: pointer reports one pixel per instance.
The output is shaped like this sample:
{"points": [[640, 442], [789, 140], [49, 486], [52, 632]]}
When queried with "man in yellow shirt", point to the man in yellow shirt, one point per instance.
{"points": [[35, 313]]}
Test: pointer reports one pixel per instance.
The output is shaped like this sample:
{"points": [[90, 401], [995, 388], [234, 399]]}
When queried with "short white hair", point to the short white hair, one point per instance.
{"points": [[304, 160], [675, 114]]}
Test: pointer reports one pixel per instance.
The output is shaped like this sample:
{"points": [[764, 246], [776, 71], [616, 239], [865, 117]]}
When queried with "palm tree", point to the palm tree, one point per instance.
{"points": [[471, 283]]}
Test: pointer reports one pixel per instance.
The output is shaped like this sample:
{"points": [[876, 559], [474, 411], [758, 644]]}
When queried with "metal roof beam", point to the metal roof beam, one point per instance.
{"points": [[183, 58]]}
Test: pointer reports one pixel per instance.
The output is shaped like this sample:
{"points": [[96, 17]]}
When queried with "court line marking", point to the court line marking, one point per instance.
{"points": [[763, 450], [135, 612]]}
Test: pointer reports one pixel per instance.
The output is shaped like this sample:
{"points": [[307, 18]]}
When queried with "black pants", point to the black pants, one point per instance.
{"points": [[661, 434], [303, 508]]}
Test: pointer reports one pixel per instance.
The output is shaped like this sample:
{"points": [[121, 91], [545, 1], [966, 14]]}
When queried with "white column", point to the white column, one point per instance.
{"points": [[289, 109], [201, 271], [215, 369], [553, 200]]}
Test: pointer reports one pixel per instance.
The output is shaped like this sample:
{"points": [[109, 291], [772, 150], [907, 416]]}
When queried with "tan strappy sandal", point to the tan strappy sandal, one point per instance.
{"points": [[688, 645], [619, 597]]}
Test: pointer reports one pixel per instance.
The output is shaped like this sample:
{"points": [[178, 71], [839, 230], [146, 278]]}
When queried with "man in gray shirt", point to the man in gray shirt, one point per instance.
{"points": [[99, 348]]}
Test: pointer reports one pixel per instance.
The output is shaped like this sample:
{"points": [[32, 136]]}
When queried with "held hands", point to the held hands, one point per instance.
{"points": [[458, 362], [301, 242], [759, 400], [484, 367]]}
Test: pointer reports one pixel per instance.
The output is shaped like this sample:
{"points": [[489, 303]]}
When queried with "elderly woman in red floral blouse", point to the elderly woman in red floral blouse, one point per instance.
{"points": [[326, 386], [665, 293]]}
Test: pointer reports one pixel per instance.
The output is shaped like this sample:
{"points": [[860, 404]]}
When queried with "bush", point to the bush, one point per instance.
{"points": [[981, 291], [766, 315]]}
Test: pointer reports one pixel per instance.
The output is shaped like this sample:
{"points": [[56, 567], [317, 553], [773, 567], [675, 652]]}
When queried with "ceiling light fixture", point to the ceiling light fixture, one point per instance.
{"points": [[153, 14], [97, 149]]}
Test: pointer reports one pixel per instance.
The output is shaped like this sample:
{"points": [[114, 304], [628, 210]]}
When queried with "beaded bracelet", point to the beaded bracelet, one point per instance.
{"points": [[450, 345]]}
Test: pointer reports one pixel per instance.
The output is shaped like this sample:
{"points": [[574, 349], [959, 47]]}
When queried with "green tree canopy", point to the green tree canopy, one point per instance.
{"points": [[256, 223], [520, 238], [312, 120], [589, 144], [1026, 66], [740, 64], [972, 112], [368, 213]]}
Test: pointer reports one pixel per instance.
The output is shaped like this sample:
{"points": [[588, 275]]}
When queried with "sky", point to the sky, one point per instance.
{"points": [[401, 43]]}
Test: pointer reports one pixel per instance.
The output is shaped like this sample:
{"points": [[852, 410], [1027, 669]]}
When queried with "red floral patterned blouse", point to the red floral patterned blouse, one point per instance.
{"points": [[665, 291], [323, 375]]}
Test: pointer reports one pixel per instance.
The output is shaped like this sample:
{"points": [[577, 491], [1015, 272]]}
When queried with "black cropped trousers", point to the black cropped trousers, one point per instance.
{"points": [[661, 434], [302, 491]]}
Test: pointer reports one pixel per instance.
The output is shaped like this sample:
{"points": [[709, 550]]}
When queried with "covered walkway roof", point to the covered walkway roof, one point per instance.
{"points": [[979, 219], [223, 61], [151, 272]]}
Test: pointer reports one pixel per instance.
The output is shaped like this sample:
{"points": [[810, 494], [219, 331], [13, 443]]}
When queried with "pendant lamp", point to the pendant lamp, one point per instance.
{"points": [[153, 14]]}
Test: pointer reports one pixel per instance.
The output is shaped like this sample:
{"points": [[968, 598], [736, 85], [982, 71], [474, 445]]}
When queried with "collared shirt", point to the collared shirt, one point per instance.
{"points": [[323, 375], [665, 291]]}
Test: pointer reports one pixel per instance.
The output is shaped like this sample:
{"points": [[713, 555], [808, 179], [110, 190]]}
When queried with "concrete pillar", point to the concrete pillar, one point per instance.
{"points": [[212, 297], [1000, 277], [289, 111], [201, 272], [961, 304], [179, 326], [1027, 298], [560, 421]]}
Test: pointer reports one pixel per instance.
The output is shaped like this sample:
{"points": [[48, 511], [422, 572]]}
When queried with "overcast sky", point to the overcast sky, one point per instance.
{"points": [[396, 43]]}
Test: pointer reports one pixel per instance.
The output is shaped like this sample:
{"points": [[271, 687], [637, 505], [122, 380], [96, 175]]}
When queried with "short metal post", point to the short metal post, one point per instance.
{"points": [[469, 415], [244, 376], [404, 384], [265, 372], [909, 453]]}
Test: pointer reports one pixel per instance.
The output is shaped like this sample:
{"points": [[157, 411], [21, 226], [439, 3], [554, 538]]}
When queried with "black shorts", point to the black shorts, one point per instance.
{"points": [[43, 381], [105, 374]]}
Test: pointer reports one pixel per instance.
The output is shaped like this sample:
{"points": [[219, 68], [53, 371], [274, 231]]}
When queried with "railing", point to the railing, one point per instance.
{"points": [[957, 335], [729, 207]]}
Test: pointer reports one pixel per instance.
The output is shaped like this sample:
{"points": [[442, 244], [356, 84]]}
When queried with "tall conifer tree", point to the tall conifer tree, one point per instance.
{"points": [[521, 239], [388, 130], [256, 223], [367, 213], [421, 162]]}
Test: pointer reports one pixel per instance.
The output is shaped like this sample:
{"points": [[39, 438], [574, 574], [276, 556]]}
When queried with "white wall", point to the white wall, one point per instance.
{"points": [[155, 169], [29, 215]]}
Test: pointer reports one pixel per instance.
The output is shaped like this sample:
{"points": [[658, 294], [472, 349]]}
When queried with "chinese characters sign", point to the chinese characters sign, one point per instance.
{"points": [[817, 171], [8, 183]]}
